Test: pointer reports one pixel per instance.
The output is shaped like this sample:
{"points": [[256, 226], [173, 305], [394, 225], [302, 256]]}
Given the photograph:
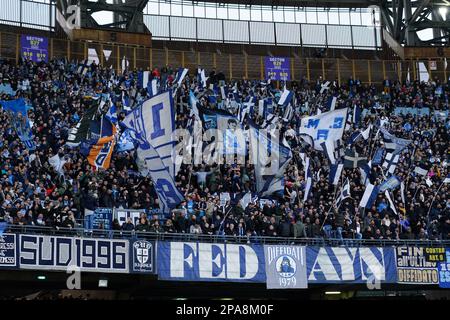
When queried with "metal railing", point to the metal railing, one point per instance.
{"points": [[187, 237]]}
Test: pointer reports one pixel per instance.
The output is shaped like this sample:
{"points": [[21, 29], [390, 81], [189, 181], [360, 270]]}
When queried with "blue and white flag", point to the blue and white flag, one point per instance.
{"points": [[270, 159], [181, 74], [153, 87], [365, 172], [421, 171], [150, 162], [288, 113], [126, 101], [352, 160], [154, 121], [391, 142], [17, 110], [345, 193], [390, 184], [369, 196], [335, 173], [378, 157], [326, 126], [286, 98], [390, 162], [331, 103], [111, 115], [143, 78], [325, 87], [125, 142], [366, 133], [356, 114], [391, 203]]}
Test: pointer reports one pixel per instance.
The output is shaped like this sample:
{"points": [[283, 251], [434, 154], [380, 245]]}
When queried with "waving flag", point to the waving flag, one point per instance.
{"points": [[99, 145], [17, 110], [369, 196], [143, 78], [394, 143], [152, 124], [81, 131], [326, 126], [335, 173], [353, 160], [181, 74], [286, 98], [390, 162], [345, 193]]}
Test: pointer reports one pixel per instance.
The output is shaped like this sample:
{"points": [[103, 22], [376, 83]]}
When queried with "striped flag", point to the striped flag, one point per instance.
{"points": [[143, 79], [331, 103], [365, 172], [391, 204], [369, 196], [153, 87], [181, 74], [345, 193], [286, 98], [335, 173]]}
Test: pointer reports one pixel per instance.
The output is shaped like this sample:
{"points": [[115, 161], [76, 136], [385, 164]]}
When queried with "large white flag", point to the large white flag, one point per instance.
{"points": [[154, 120], [328, 126], [152, 125]]}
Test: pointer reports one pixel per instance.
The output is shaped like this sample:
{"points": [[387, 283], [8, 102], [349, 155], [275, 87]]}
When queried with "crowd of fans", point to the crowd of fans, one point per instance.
{"points": [[33, 193]]}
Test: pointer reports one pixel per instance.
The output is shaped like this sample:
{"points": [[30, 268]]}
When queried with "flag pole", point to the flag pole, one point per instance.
{"points": [[431, 205]]}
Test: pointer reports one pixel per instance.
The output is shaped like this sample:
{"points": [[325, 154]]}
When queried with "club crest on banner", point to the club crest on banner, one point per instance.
{"points": [[286, 266], [142, 256]]}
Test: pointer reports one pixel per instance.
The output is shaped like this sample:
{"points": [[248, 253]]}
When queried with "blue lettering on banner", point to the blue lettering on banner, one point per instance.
{"points": [[338, 121], [444, 271], [354, 265], [59, 253], [142, 254], [313, 123], [322, 133], [8, 257], [100, 219], [189, 261], [156, 112]]}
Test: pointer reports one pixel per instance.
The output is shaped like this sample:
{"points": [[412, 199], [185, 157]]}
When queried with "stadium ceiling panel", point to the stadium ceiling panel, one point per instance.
{"points": [[325, 3]]}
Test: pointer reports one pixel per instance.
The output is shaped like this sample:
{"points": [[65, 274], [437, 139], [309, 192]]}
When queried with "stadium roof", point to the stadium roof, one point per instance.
{"points": [[325, 3]]}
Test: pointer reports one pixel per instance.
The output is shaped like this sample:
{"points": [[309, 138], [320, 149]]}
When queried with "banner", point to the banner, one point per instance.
{"points": [[413, 268], [390, 184], [8, 257], [34, 48], [193, 261], [100, 219], [59, 253], [369, 265], [435, 254], [277, 68], [444, 270], [122, 215], [285, 267], [142, 254], [326, 126]]}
